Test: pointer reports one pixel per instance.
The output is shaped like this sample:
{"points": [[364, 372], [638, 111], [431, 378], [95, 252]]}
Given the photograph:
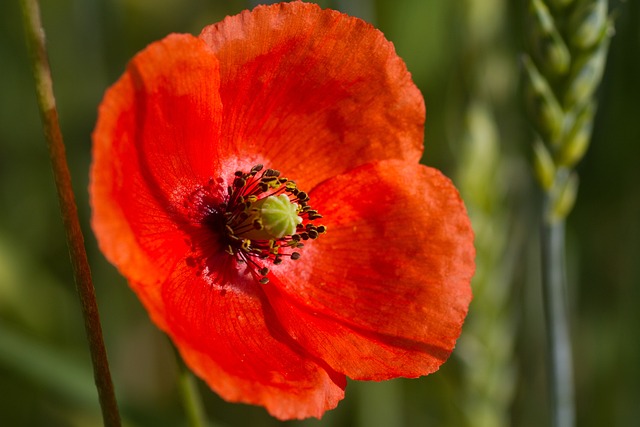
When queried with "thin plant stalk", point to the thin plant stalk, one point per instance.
{"points": [[191, 399], [82, 274], [557, 322]]}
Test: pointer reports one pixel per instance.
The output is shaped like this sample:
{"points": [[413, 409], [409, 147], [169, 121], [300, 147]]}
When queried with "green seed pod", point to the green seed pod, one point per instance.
{"points": [[542, 104], [548, 46], [588, 23], [586, 74], [544, 166], [576, 141], [279, 216]]}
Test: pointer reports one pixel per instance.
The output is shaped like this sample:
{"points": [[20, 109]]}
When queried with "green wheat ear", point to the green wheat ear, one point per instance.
{"points": [[568, 45]]}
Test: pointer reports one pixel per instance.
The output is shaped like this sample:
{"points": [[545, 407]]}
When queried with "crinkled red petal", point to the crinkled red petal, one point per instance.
{"points": [[229, 335], [385, 291], [314, 92], [153, 144]]}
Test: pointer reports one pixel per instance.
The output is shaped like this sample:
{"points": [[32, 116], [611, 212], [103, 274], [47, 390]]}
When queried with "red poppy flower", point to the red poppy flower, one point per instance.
{"points": [[353, 260]]}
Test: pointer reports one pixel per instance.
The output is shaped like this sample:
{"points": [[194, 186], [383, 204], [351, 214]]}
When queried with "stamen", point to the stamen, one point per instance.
{"points": [[265, 218]]}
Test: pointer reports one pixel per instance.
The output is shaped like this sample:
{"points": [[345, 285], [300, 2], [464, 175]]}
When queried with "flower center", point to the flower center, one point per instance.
{"points": [[266, 217], [278, 216]]}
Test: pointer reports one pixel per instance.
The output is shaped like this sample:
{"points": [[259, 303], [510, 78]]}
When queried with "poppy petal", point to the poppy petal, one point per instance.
{"points": [[229, 335], [359, 354], [314, 92], [394, 268], [153, 144]]}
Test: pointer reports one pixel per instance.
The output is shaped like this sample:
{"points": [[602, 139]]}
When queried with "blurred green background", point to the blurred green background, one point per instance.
{"points": [[464, 56]]}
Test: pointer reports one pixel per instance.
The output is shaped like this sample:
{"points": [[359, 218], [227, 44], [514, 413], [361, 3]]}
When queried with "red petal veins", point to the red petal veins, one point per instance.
{"points": [[229, 335], [153, 143], [394, 268], [315, 92]]}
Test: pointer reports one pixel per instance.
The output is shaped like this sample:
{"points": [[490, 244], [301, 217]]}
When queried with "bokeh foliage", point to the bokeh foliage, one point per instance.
{"points": [[45, 376]]}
